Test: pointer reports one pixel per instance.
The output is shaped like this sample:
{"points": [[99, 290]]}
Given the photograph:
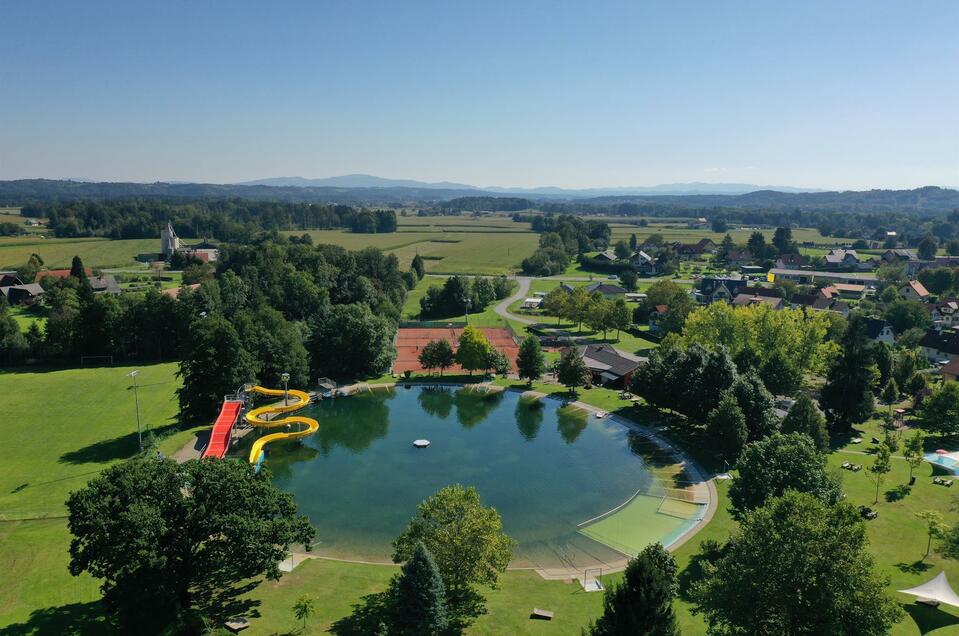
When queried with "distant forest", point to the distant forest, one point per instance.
{"points": [[226, 220]]}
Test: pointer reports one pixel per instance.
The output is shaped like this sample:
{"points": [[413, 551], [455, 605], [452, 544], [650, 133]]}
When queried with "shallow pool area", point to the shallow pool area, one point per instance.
{"points": [[575, 491]]}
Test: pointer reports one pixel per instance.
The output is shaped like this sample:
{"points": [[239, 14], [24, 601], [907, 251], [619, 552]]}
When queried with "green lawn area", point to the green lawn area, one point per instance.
{"points": [[26, 316], [60, 429], [57, 253], [63, 427]]}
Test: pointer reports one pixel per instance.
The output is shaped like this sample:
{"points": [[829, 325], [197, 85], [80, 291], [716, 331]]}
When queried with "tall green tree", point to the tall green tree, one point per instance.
{"points": [[467, 542], [530, 361], [350, 341], [619, 316], [927, 248], [169, 539], [726, 428], [303, 609], [418, 266], [770, 581], [473, 351], [847, 397], [940, 410], [642, 603], [418, 598], [804, 417], [571, 371], [77, 270], [770, 467], [215, 364]]}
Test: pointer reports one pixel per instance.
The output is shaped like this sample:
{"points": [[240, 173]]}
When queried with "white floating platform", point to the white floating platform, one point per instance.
{"points": [[421, 443]]}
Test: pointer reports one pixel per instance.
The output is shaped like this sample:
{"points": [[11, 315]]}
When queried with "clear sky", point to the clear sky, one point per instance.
{"points": [[575, 94]]}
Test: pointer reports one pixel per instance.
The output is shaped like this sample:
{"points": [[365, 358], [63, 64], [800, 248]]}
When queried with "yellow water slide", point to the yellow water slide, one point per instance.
{"points": [[304, 425]]}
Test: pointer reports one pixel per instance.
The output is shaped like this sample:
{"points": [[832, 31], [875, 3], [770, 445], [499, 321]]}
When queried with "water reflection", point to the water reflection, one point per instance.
{"points": [[353, 424], [436, 401], [571, 423], [529, 417], [472, 407]]}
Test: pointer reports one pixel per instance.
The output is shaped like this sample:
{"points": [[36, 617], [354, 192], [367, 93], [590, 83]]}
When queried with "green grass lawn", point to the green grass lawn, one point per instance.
{"points": [[57, 253], [26, 316], [62, 427]]}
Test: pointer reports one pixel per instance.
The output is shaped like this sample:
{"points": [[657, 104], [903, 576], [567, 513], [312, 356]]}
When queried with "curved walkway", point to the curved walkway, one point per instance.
{"points": [[502, 308]]}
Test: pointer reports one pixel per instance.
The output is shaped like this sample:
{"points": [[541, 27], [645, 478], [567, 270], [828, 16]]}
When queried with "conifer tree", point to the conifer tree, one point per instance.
{"points": [[418, 597]]}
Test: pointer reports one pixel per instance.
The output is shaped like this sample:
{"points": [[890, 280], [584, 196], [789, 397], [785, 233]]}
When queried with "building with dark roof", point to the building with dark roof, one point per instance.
{"points": [[879, 330], [608, 366], [939, 346], [27, 294], [105, 284], [606, 289]]}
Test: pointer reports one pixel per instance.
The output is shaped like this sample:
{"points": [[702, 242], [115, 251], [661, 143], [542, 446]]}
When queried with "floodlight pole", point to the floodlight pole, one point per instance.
{"points": [[136, 398], [286, 390], [466, 300]]}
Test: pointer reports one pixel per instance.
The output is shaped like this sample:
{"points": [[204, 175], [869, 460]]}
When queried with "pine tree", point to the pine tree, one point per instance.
{"points": [[847, 396], [890, 392], [77, 270], [418, 266], [643, 602], [726, 427], [804, 417], [530, 361], [418, 598]]}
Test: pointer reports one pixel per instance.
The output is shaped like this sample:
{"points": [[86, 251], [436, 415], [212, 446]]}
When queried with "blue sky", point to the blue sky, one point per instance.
{"points": [[816, 94]]}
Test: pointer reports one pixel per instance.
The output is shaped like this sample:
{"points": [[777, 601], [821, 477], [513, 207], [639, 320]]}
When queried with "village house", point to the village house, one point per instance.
{"points": [[8, 279], [608, 366], [950, 371], [792, 261], [27, 294], [738, 258], [715, 289], [644, 263], [819, 302], [940, 346], [747, 300], [105, 284], [849, 291], [944, 313], [606, 256], [701, 222], [879, 330], [695, 250], [532, 303], [840, 258], [914, 290]]}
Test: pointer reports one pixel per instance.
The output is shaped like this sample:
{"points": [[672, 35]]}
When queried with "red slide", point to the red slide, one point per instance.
{"points": [[220, 435]]}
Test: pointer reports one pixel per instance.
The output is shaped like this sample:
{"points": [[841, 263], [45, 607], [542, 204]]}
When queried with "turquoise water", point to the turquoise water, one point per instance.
{"points": [[544, 469]]}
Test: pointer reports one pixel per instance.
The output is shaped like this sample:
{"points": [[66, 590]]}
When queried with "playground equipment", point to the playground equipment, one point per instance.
{"points": [[296, 401]]}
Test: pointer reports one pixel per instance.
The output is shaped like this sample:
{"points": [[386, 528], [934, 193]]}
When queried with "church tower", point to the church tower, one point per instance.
{"points": [[169, 241]]}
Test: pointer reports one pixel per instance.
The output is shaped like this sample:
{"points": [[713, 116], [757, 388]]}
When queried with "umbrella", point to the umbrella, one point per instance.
{"points": [[940, 451]]}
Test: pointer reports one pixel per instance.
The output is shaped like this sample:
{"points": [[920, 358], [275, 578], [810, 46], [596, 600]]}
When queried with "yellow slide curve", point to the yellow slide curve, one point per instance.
{"points": [[298, 399]]}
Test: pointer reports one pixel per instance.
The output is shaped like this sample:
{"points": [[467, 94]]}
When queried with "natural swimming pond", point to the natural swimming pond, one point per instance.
{"points": [[545, 468]]}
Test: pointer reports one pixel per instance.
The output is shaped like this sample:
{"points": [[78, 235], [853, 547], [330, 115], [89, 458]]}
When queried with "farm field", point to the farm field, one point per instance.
{"points": [[57, 253], [445, 252]]}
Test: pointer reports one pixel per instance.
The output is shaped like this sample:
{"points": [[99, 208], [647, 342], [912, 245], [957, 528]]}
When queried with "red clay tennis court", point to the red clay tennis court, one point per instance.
{"points": [[410, 341]]}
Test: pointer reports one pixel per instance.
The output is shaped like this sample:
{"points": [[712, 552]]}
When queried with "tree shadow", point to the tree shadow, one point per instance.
{"points": [[898, 493], [916, 567], [366, 617], [75, 619], [709, 552], [927, 618], [117, 448]]}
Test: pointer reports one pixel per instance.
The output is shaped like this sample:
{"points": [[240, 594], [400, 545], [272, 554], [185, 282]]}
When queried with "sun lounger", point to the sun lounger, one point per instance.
{"points": [[541, 614], [856, 440], [856, 467], [846, 464]]}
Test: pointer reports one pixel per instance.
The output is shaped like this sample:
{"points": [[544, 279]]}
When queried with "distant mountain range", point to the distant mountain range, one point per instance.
{"points": [[371, 181], [929, 199]]}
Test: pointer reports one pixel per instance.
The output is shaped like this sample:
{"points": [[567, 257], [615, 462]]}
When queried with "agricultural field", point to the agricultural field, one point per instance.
{"points": [[445, 252], [58, 252]]}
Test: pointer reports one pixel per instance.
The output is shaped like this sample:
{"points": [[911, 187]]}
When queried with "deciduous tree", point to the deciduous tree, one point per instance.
{"points": [[530, 362], [168, 538], [768, 581]]}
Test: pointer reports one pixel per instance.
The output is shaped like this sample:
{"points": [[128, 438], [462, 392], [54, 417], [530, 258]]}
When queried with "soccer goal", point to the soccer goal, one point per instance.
{"points": [[96, 361], [592, 579]]}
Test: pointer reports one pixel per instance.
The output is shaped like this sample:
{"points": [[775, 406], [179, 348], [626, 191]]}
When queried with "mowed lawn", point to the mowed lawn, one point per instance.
{"points": [[59, 252], [60, 429]]}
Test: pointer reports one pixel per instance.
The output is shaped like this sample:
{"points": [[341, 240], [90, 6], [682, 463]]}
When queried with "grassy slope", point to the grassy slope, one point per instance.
{"points": [[61, 428]]}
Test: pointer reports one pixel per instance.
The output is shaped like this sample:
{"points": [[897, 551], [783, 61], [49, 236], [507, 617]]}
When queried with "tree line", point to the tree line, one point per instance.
{"points": [[224, 219]]}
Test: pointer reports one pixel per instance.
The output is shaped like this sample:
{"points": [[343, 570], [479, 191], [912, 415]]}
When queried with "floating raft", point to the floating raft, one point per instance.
{"points": [[421, 443]]}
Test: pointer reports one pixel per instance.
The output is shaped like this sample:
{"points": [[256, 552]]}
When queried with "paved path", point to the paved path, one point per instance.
{"points": [[503, 307]]}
